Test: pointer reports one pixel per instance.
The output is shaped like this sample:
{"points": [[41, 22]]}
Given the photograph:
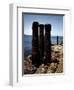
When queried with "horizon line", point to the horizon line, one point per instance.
{"points": [[51, 35]]}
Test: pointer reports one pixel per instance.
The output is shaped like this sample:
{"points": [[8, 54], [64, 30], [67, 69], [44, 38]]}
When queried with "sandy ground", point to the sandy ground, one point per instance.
{"points": [[56, 66]]}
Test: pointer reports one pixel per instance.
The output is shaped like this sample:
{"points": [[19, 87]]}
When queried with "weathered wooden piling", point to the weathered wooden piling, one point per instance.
{"points": [[47, 43], [35, 45], [41, 42], [57, 40]]}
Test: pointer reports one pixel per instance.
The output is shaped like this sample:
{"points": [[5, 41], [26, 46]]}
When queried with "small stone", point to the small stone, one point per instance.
{"points": [[29, 57]]}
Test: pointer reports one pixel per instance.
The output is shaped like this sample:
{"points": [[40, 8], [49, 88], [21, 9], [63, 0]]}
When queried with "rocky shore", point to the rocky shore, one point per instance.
{"points": [[56, 65]]}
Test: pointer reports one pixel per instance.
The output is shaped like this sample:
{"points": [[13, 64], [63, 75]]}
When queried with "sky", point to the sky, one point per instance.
{"points": [[56, 22]]}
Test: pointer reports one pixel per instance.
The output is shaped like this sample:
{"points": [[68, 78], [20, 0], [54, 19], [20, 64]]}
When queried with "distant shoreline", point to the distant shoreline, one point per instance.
{"points": [[29, 52], [51, 36], [28, 43]]}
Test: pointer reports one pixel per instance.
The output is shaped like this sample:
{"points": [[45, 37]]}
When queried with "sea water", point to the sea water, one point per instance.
{"points": [[28, 43]]}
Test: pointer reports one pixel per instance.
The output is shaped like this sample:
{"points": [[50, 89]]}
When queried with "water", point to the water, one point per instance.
{"points": [[28, 43]]}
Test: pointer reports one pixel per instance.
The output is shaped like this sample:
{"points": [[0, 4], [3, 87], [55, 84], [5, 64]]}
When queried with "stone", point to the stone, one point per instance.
{"points": [[29, 57]]}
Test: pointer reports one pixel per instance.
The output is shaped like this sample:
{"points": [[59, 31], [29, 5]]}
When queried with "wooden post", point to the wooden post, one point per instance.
{"points": [[35, 45], [41, 42], [57, 40], [47, 43]]}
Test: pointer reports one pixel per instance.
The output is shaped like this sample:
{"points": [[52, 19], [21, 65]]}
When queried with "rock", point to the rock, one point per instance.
{"points": [[42, 69], [55, 66], [52, 68], [28, 67], [49, 70], [29, 57]]}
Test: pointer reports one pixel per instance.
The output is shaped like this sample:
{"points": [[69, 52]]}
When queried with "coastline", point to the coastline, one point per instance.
{"points": [[56, 65]]}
